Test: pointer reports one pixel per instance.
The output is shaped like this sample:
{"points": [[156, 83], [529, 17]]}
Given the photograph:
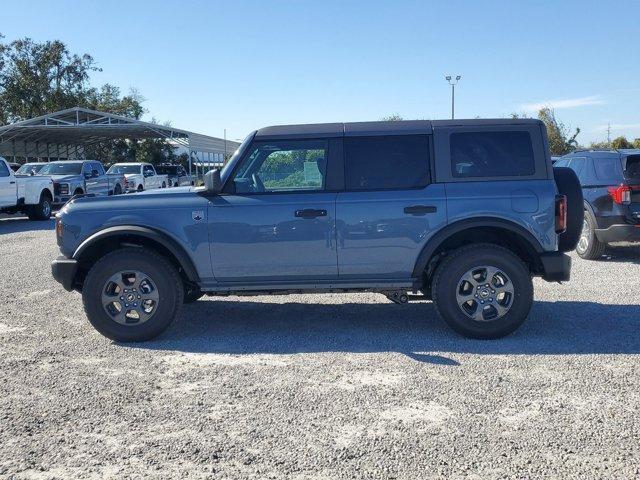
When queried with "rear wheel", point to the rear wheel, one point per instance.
{"points": [[132, 294], [164, 185], [589, 247], [483, 291], [140, 188], [117, 190], [41, 211]]}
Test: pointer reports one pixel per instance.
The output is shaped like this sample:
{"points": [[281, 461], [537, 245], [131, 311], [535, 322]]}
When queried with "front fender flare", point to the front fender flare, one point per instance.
{"points": [[152, 234]]}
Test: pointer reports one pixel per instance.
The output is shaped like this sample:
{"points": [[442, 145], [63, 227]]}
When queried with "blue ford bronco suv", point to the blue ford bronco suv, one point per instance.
{"points": [[461, 212]]}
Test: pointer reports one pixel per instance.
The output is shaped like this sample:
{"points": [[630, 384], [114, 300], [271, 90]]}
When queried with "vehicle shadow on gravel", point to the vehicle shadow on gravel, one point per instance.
{"points": [[626, 254], [242, 327], [23, 224]]}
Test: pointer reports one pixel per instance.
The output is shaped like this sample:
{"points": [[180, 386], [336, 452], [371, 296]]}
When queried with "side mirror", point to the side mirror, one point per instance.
{"points": [[87, 175], [95, 173], [212, 181]]}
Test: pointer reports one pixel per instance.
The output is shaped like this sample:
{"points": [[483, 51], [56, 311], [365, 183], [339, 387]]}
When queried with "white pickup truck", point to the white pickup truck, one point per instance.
{"points": [[140, 176], [32, 195]]}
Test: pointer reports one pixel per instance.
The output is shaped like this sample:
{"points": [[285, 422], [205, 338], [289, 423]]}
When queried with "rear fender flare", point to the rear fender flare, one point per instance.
{"points": [[439, 238]]}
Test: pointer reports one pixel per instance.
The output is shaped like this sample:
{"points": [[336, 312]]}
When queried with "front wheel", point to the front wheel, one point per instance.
{"points": [[589, 247], [41, 211], [132, 294], [117, 190], [483, 291]]}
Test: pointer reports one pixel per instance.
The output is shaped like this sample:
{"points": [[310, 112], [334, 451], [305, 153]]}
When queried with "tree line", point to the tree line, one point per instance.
{"points": [[37, 78]]}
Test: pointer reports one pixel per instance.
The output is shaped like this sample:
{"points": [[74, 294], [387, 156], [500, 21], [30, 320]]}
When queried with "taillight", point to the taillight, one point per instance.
{"points": [[561, 213], [620, 194]]}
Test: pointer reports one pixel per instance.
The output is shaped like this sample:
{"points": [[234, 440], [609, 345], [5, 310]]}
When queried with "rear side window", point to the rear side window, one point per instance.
{"points": [[394, 162], [491, 154], [608, 169], [632, 167], [577, 165]]}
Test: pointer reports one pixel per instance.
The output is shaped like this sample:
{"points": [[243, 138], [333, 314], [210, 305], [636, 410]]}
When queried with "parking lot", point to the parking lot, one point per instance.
{"points": [[318, 386]]}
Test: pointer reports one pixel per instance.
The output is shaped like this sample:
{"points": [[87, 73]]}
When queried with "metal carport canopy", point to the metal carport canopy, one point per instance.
{"points": [[60, 134]]}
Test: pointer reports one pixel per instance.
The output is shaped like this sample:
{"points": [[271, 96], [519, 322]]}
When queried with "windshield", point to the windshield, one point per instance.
{"points": [[167, 170], [61, 168], [228, 167], [28, 168], [124, 169]]}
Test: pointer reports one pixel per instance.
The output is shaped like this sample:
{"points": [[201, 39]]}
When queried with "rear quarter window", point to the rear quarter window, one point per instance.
{"points": [[608, 169], [491, 154]]}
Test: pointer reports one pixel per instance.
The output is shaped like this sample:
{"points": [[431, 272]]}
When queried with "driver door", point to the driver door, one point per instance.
{"points": [[275, 220], [7, 186]]}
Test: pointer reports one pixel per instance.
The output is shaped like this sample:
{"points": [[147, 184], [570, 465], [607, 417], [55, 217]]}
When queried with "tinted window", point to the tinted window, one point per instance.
{"points": [[387, 162], [4, 170], [608, 169], [281, 166], [491, 154], [577, 165], [62, 168]]}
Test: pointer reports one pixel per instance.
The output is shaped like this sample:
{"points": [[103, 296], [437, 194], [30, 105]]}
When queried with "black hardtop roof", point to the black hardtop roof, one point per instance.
{"points": [[403, 127]]}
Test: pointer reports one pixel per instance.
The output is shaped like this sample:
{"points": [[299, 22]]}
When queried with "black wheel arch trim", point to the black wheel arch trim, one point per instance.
{"points": [[439, 238], [162, 238]]}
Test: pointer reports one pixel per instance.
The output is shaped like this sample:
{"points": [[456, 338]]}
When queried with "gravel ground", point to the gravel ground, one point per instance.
{"points": [[318, 386]]}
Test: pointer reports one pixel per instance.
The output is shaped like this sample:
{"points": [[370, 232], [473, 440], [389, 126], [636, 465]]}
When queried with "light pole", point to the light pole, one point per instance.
{"points": [[453, 82]]}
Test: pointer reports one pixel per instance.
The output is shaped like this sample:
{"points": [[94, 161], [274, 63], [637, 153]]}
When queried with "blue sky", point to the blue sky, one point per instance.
{"points": [[240, 65]]}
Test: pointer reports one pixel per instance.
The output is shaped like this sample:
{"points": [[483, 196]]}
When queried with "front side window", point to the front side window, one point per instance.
{"points": [[395, 162], [283, 166], [491, 154], [4, 170]]}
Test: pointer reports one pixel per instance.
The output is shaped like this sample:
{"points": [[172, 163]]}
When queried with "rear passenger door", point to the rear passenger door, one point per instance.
{"points": [[389, 208]]}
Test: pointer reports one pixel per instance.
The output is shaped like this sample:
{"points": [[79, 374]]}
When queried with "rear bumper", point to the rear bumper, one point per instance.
{"points": [[619, 233], [64, 271], [556, 266]]}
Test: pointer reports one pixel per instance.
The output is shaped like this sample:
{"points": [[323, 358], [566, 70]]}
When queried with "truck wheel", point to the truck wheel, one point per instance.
{"points": [[483, 291], [117, 190], [140, 188], [192, 294], [41, 211], [589, 247], [132, 294], [164, 184]]}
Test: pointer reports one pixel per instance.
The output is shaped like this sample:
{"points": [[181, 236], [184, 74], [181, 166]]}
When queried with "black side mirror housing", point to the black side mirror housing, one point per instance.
{"points": [[212, 181]]}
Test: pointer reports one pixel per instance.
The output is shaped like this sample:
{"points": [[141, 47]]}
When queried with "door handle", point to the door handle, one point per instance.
{"points": [[310, 213], [12, 183], [420, 209]]}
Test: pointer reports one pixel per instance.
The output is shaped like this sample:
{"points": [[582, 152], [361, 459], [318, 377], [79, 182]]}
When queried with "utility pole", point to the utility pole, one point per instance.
{"points": [[608, 134], [453, 81], [225, 146]]}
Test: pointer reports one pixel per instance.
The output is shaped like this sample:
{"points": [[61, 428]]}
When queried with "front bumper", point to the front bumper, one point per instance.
{"points": [[619, 233], [64, 271], [556, 266]]}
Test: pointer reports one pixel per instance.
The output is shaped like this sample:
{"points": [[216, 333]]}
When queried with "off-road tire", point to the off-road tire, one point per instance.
{"points": [[41, 211], [447, 277], [569, 185], [594, 248], [159, 270]]}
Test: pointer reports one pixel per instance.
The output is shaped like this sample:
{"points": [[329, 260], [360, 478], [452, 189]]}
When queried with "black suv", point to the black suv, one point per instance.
{"points": [[610, 182]]}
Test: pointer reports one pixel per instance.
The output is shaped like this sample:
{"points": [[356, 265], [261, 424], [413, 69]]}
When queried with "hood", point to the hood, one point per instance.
{"points": [[63, 178], [165, 191]]}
